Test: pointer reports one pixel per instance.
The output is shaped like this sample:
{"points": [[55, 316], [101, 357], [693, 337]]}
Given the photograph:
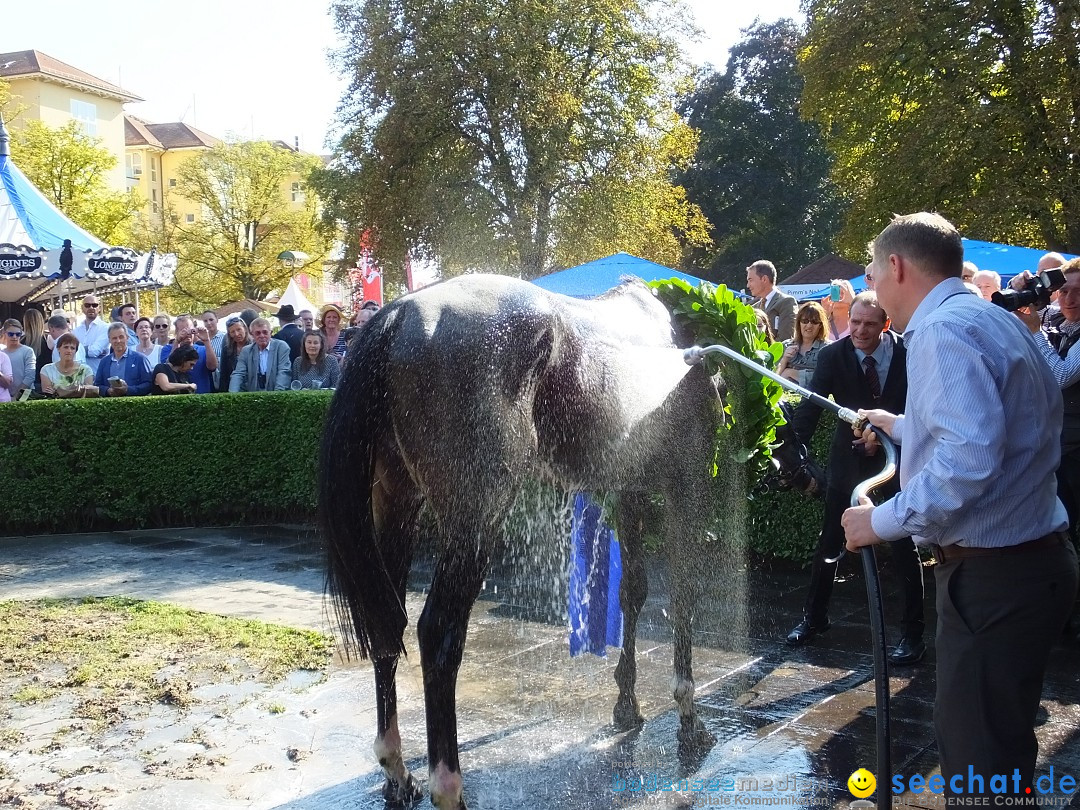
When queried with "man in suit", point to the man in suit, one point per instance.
{"points": [[264, 365], [780, 308], [866, 370], [289, 331]]}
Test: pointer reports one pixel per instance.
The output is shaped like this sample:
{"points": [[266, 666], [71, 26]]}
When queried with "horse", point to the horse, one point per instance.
{"points": [[455, 396]]}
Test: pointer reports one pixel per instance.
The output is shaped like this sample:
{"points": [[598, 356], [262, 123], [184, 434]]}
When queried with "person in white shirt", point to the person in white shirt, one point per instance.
{"points": [[92, 332]]}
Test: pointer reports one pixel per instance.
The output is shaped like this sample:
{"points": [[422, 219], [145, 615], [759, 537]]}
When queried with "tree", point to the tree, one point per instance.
{"points": [[761, 174], [69, 168], [247, 219], [509, 136], [968, 108]]}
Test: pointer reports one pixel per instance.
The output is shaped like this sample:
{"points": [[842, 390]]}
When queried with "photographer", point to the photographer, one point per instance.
{"points": [[1059, 347]]}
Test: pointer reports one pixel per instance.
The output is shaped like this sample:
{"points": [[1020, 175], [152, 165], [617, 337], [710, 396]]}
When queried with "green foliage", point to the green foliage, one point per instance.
{"points": [[510, 136], [69, 168], [761, 173], [968, 109], [709, 315], [248, 218], [76, 465]]}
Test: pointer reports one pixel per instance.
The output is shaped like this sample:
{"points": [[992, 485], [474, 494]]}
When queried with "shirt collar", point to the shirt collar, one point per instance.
{"points": [[765, 301], [934, 299]]}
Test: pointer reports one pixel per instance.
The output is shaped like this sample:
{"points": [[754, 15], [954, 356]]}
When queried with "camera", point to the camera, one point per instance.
{"points": [[1036, 291]]}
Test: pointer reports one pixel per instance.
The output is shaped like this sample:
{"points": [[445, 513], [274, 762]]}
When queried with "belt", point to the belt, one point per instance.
{"points": [[951, 553]]}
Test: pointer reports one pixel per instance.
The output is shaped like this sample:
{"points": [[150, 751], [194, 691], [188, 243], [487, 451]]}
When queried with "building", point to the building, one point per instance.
{"points": [[152, 157], [55, 93]]}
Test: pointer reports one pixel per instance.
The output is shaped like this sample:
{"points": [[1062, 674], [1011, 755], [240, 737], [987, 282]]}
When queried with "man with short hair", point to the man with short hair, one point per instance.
{"points": [[865, 369], [307, 319], [92, 332], [1051, 314], [780, 308], [123, 371], [186, 335], [980, 433], [988, 283], [289, 332], [210, 321], [56, 326], [128, 316], [263, 365]]}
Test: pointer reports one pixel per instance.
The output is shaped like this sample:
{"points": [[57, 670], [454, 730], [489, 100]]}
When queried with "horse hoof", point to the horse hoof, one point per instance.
{"points": [[695, 739], [397, 795], [627, 716]]}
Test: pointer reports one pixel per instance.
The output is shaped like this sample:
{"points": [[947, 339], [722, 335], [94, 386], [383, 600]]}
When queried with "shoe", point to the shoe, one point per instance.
{"points": [[908, 651], [804, 631]]}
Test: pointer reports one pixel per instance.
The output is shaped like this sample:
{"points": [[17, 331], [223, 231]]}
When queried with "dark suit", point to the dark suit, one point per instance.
{"points": [[294, 336], [840, 374], [781, 313]]}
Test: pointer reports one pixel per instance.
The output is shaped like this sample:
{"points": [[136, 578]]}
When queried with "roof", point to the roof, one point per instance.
{"points": [[824, 270], [236, 307], [1006, 260], [597, 277], [24, 64], [175, 135]]}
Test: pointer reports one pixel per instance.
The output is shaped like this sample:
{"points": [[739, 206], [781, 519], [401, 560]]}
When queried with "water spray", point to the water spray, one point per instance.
{"points": [[693, 356]]}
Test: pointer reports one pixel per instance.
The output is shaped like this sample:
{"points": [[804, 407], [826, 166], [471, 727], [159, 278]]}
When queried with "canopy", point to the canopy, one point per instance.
{"points": [[597, 277], [43, 254], [295, 296], [1006, 260]]}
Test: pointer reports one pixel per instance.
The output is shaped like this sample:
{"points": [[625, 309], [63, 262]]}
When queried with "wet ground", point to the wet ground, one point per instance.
{"points": [[534, 724]]}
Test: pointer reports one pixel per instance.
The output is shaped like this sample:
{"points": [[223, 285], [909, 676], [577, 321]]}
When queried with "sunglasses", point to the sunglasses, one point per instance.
{"points": [[90, 306], [234, 321], [161, 326], [809, 320], [15, 334]]}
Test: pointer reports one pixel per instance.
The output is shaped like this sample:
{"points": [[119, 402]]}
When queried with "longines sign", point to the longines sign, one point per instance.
{"points": [[112, 265], [19, 260]]}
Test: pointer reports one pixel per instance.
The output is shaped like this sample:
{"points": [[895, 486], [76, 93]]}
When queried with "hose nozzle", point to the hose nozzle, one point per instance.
{"points": [[694, 355]]}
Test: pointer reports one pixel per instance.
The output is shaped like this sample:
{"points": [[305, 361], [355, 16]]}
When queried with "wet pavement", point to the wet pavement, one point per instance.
{"points": [[534, 724]]}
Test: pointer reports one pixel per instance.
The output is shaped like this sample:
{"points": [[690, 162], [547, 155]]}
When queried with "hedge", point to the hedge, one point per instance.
{"points": [[98, 464]]}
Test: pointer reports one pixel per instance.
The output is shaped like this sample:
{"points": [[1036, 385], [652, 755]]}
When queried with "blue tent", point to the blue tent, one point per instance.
{"points": [[597, 277], [44, 254], [1006, 260]]}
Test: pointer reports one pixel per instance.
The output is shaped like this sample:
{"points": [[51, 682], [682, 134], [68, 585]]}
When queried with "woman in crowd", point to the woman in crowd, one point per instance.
{"points": [[172, 377], [37, 338], [837, 312], [800, 353], [161, 332], [314, 368], [5, 377], [236, 338], [23, 358], [144, 330], [330, 319], [67, 377]]}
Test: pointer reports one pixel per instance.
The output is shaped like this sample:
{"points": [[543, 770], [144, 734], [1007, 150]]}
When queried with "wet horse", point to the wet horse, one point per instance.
{"points": [[455, 396]]}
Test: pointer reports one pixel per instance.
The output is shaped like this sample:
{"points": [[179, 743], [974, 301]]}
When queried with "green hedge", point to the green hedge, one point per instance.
{"points": [[81, 465], [87, 464]]}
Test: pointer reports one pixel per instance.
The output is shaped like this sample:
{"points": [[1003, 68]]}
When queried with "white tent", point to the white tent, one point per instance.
{"points": [[43, 254], [295, 296]]}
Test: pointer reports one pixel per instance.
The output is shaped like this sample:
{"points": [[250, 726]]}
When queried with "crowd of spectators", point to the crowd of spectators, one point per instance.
{"points": [[135, 356]]}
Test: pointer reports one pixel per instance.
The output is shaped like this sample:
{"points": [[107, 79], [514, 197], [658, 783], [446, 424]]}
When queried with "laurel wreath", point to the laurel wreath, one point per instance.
{"points": [[709, 314]]}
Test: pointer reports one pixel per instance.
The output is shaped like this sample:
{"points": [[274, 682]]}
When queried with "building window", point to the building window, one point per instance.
{"points": [[172, 182], [85, 114], [189, 218], [153, 194], [134, 165], [153, 170], [297, 193]]}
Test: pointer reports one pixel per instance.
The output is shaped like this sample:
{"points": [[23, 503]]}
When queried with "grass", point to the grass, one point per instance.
{"points": [[109, 650]]}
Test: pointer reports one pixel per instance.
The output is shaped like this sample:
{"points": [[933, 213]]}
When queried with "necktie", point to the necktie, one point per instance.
{"points": [[872, 379]]}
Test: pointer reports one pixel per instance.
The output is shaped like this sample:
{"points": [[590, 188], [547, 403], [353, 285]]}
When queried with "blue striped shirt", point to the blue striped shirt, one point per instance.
{"points": [[981, 429]]}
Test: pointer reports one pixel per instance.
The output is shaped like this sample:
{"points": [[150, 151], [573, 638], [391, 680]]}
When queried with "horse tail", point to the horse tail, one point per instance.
{"points": [[367, 602]]}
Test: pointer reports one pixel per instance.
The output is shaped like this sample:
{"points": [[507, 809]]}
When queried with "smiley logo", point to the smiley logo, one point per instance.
{"points": [[861, 783]]}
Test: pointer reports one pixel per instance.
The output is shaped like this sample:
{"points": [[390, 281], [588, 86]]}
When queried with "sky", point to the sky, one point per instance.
{"points": [[252, 68]]}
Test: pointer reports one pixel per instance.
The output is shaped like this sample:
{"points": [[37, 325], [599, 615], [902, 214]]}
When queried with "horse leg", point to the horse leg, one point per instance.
{"points": [[401, 788], [441, 631], [684, 557], [395, 509], [633, 589]]}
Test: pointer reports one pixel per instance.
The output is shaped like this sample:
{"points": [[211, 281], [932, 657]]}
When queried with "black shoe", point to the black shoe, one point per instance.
{"points": [[804, 631], [908, 651]]}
